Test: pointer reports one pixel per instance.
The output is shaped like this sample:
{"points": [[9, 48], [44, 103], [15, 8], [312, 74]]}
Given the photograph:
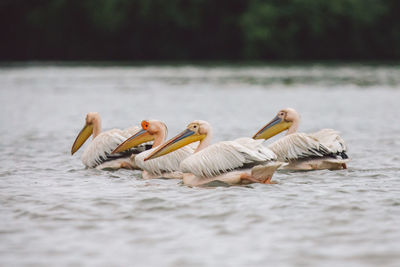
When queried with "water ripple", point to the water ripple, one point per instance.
{"points": [[57, 213]]}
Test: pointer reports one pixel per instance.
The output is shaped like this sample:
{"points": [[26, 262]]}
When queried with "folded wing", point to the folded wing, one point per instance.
{"points": [[226, 156], [99, 150], [298, 146]]}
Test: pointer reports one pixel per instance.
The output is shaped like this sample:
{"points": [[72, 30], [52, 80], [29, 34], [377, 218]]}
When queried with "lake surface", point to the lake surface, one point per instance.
{"points": [[54, 212]]}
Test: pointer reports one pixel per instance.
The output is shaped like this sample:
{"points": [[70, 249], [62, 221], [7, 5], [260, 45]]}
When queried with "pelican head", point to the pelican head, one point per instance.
{"points": [[151, 129], [195, 131], [92, 119], [282, 121]]}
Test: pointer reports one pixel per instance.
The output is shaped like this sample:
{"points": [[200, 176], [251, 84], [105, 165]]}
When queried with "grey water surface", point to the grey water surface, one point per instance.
{"points": [[54, 212]]}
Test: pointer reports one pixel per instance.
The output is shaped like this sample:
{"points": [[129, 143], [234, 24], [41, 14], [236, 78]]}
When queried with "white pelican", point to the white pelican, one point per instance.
{"points": [[324, 149], [243, 160], [165, 167], [98, 153]]}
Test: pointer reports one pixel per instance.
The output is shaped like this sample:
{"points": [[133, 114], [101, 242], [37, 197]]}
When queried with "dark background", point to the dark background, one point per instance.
{"points": [[199, 30]]}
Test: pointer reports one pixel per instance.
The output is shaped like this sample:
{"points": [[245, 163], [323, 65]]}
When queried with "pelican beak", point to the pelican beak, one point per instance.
{"points": [[140, 137], [274, 127], [83, 135], [184, 138]]}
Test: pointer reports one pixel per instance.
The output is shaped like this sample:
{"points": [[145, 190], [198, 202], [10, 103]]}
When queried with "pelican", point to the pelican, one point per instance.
{"points": [[243, 160], [324, 149], [165, 167], [98, 153]]}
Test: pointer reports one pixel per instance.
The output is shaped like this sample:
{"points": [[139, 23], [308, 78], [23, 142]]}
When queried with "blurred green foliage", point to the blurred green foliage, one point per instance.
{"points": [[199, 29]]}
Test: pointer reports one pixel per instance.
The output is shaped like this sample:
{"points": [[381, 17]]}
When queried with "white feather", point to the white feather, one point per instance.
{"points": [[104, 144], [167, 163], [300, 145], [331, 139], [226, 156]]}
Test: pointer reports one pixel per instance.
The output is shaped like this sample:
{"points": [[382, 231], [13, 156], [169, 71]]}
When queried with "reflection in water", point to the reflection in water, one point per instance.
{"points": [[55, 212]]}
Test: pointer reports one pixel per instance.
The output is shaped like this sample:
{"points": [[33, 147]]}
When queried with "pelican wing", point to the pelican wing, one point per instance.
{"points": [[330, 139], [99, 150], [304, 146], [226, 156], [167, 163]]}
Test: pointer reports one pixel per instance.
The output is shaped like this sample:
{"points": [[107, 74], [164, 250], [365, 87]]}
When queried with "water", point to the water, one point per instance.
{"points": [[56, 213]]}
